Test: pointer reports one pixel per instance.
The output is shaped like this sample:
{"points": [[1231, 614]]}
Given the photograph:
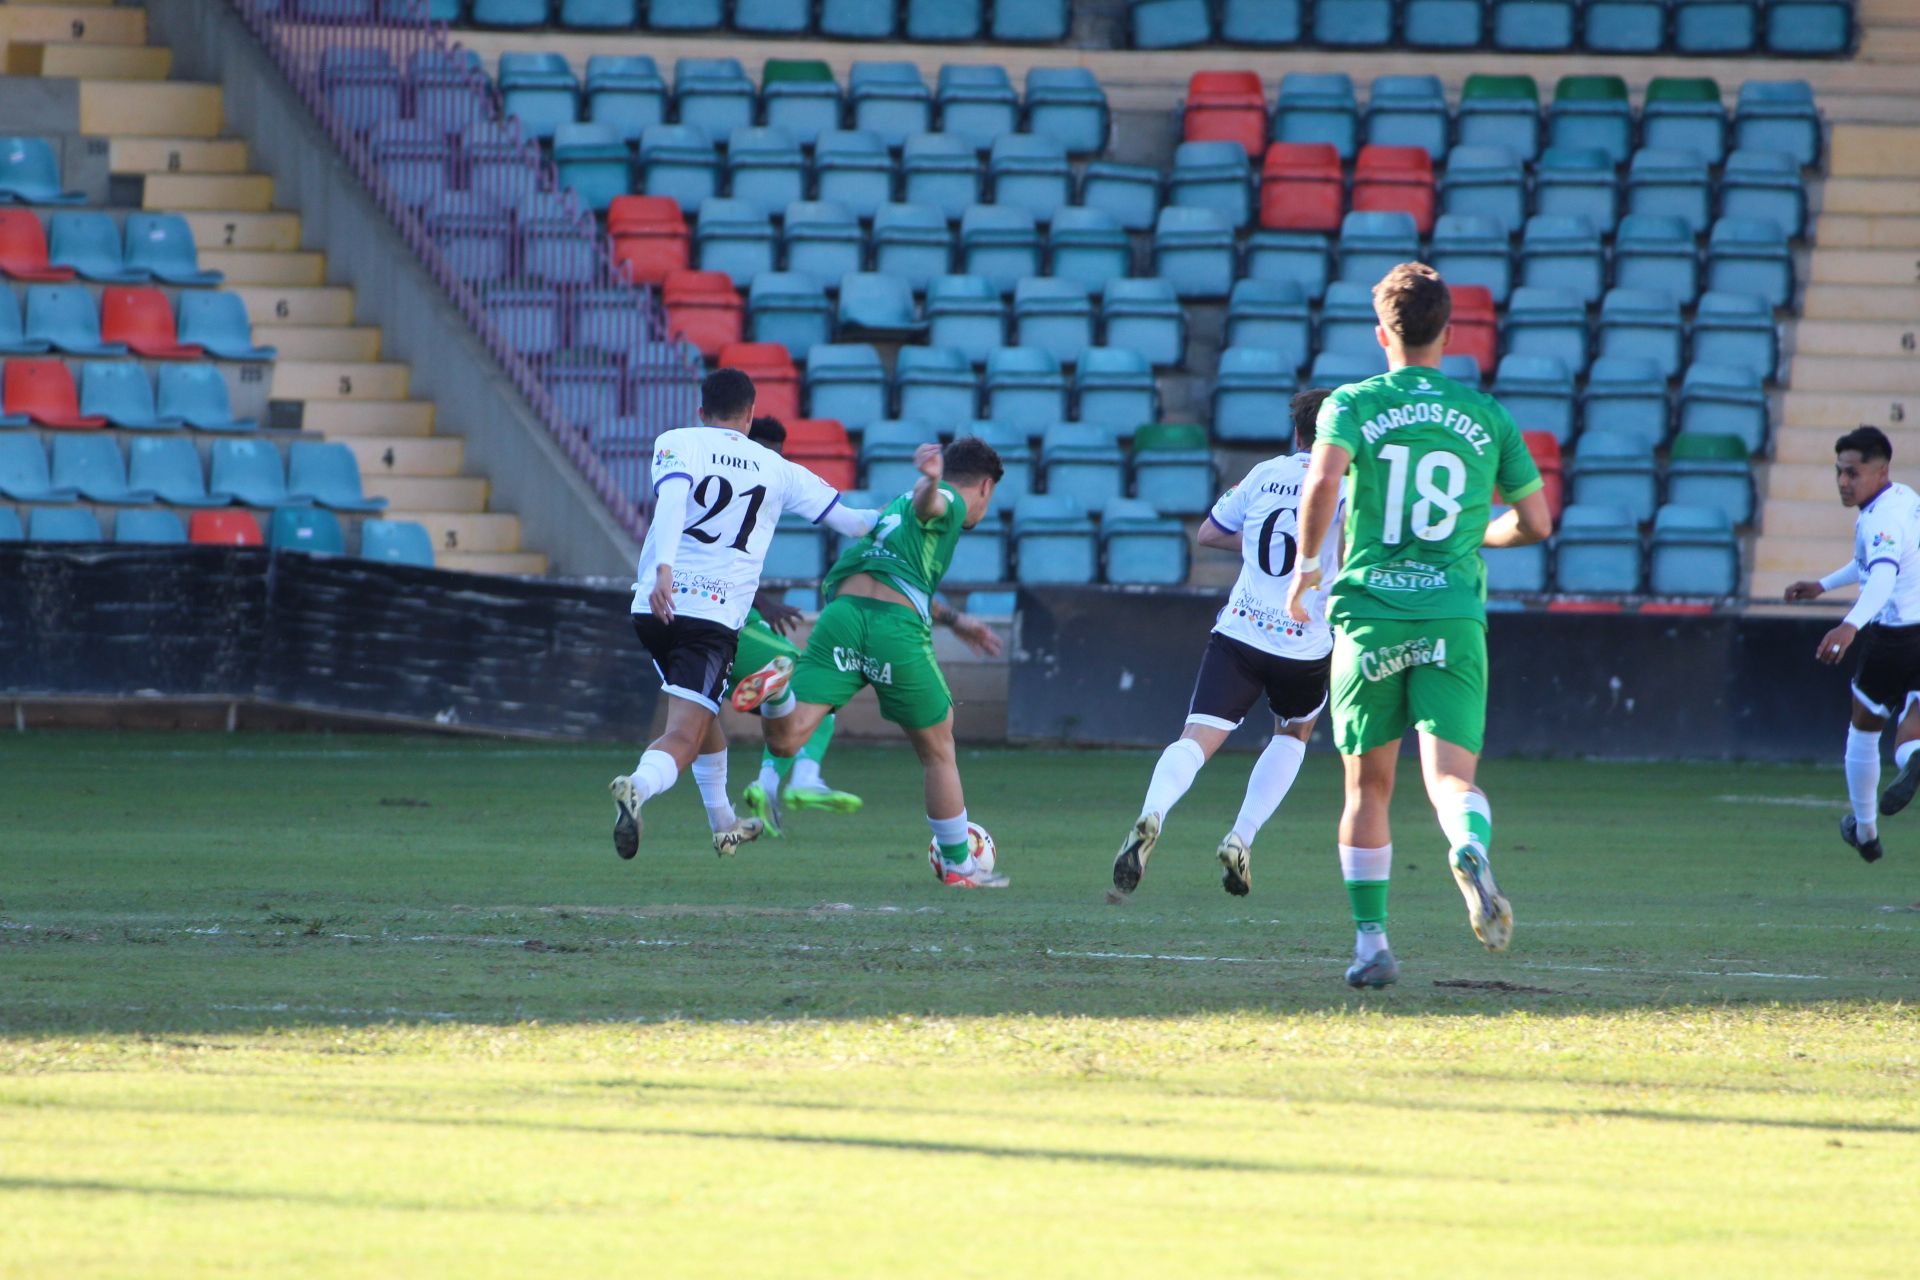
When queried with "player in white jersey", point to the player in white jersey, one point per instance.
{"points": [[1886, 618], [1255, 649], [717, 498]]}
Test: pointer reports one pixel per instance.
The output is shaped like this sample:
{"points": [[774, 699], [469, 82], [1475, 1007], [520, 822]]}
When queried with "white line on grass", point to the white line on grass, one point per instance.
{"points": [[1797, 802], [1520, 964]]}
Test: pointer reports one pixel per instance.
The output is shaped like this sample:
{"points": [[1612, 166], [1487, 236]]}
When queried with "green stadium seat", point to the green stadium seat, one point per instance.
{"points": [[1592, 113], [307, 529], [800, 96]]}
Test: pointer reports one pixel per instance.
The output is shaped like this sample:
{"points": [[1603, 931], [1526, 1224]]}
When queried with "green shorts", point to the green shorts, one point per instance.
{"points": [[759, 645], [857, 642], [1393, 675]]}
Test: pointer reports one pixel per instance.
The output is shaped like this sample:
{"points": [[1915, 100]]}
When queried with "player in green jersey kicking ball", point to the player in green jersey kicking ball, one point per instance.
{"points": [[1424, 456], [877, 629]]}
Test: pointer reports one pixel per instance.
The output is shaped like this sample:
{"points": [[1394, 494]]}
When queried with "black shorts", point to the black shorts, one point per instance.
{"points": [[692, 655], [1889, 670], [1233, 675]]}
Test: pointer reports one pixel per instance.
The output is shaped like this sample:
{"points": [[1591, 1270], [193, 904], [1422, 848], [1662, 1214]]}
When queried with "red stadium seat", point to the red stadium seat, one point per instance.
{"points": [[23, 249], [143, 319], [776, 382], [1395, 179], [704, 308], [822, 447], [649, 237], [1585, 606], [1476, 331], [1301, 187], [225, 529], [1226, 106], [1545, 449], [44, 391]]}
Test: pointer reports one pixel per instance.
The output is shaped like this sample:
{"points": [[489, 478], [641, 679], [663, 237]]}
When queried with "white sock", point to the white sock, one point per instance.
{"points": [[1268, 784], [1863, 779], [770, 780], [780, 707], [1456, 820], [951, 831], [710, 774], [1904, 752], [806, 774], [654, 774], [1369, 941], [1172, 776]]}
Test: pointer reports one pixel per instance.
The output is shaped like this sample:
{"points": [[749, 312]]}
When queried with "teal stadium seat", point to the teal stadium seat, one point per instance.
{"points": [[1083, 465], [799, 549], [1251, 395], [1563, 252], [1169, 24], [1271, 315], [120, 392], [977, 104], [597, 15], [1035, 20], [823, 240], [65, 317], [1716, 26], [947, 20], [1592, 113], [196, 394], [1293, 257], [1193, 249], [1809, 28], [1751, 255], [64, 524], [1515, 570], [1624, 26], [874, 303], [1615, 470], [966, 314], [736, 237], [1000, 244], [1335, 369], [858, 19], [30, 173], [1538, 392], [538, 89], [852, 168], [1500, 111], [773, 17], [92, 467], [981, 554], [1213, 175], [936, 385], [941, 172], [13, 337], [1145, 316], [1372, 243], [1054, 541], [1673, 183], [1127, 193], [1087, 247], [679, 161], [1272, 23], [1626, 395], [1726, 400], [1411, 111], [591, 159], [890, 99], [1473, 249], [1572, 182], [1485, 182], [788, 308], [1016, 458], [1685, 113], [1643, 323], [1777, 115], [1173, 467], [1547, 322], [1347, 319], [886, 455], [1533, 26], [913, 243], [1653, 251], [24, 474], [1735, 329], [251, 471], [1141, 545], [149, 528], [846, 382], [1711, 471], [1694, 553], [1030, 173], [327, 473], [308, 529], [800, 96], [1054, 316], [1596, 551], [765, 168], [1318, 107], [1068, 105], [169, 468], [714, 95], [1025, 388], [1462, 369], [397, 542], [161, 244], [1114, 390], [1765, 184], [10, 530]]}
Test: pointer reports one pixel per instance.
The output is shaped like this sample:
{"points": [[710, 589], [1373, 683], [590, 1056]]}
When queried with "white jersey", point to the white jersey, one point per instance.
{"points": [[737, 491], [1887, 530], [1264, 509]]}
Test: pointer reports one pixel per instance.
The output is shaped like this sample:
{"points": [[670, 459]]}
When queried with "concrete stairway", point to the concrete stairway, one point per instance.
{"points": [[165, 151]]}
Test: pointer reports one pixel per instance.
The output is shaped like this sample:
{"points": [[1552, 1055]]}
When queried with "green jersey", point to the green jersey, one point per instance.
{"points": [[1428, 455], [907, 553]]}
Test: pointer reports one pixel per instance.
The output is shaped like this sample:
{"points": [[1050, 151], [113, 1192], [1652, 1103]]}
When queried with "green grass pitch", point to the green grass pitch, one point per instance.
{"points": [[376, 1006]]}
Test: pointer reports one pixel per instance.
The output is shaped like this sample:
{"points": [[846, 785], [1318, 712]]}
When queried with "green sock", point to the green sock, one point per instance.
{"points": [[956, 852], [816, 748], [782, 765], [1368, 899]]}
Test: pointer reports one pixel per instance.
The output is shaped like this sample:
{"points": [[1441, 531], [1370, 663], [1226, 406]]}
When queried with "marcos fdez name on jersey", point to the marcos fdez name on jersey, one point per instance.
{"points": [[1424, 411]]}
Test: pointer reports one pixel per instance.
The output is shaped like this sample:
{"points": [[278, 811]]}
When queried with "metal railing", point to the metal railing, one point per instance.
{"points": [[526, 262]]}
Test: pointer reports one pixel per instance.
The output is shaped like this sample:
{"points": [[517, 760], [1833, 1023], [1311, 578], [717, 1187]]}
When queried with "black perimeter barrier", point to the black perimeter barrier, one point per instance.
{"points": [[1115, 666], [326, 634]]}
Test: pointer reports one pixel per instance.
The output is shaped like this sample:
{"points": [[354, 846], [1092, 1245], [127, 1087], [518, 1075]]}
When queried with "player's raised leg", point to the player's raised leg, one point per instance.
{"points": [[1366, 861], [1906, 758]]}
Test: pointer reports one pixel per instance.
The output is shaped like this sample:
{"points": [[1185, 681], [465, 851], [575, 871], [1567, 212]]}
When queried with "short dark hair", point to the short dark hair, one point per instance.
{"points": [[769, 431], [1414, 304], [1306, 415], [970, 459], [726, 394], [1869, 442]]}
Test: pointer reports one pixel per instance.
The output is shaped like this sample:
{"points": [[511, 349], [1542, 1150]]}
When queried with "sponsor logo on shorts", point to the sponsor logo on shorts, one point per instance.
{"points": [[853, 660], [1408, 576], [1378, 664]]}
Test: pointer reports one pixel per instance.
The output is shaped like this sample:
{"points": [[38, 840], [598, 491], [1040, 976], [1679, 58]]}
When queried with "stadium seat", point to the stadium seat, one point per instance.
{"points": [[1142, 545], [1500, 111], [1016, 456], [823, 240], [1735, 329], [1685, 114], [625, 93], [306, 529], [946, 20], [1573, 183], [587, 395], [1296, 257], [1318, 107], [981, 554], [251, 471], [508, 13], [1354, 23], [1145, 316], [1334, 369], [1626, 395], [218, 322], [13, 338], [24, 475], [1711, 471], [1809, 28], [538, 89], [1068, 105], [1694, 553], [1271, 314], [801, 97], [1473, 249], [912, 242], [30, 173], [735, 238], [1673, 183], [936, 385], [1515, 570], [821, 446], [141, 319], [120, 392], [858, 19], [773, 17], [1463, 369], [1643, 323], [1476, 331], [1053, 540], [776, 382], [679, 161], [1226, 106], [1040, 20], [1535, 26], [1054, 316], [1347, 319], [1114, 390], [23, 249], [361, 86], [1000, 244], [1751, 255], [1545, 451], [42, 391], [852, 168], [1025, 388], [1563, 253], [1728, 400], [1485, 182], [704, 308], [224, 529], [592, 160], [713, 95], [1128, 193], [151, 528], [89, 244], [196, 394], [92, 467], [64, 524], [1086, 466], [891, 100], [765, 169], [1777, 115], [1715, 26], [593, 15], [1302, 187], [684, 15], [1656, 252], [10, 529], [967, 314], [1764, 184], [1173, 467], [501, 167], [397, 541], [1213, 175], [1615, 470], [1624, 26], [1251, 395], [450, 88], [1538, 392], [1395, 179], [1261, 22], [789, 308], [1169, 24], [1411, 111], [559, 240], [977, 104], [1597, 551], [414, 158], [169, 468], [1194, 250], [846, 382], [940, 172], [1030, 173], [161, 244], [1547, 322], [1087, 247], [1592, 113], [886, 454], [1372, 244]]}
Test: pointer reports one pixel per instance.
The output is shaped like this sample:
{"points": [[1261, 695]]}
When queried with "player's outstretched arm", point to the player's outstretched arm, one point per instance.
{"points": [[1845, 575], [979, 637], [1530, 521], [1213, 535], [1319, 499], [929, 503]]}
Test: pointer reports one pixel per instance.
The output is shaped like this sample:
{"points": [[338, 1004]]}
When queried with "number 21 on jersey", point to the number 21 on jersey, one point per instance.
{"points": [[1439, 480]]}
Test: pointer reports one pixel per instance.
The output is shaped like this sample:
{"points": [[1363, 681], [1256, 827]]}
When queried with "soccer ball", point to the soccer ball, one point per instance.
{"points": [[980, 845]]}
